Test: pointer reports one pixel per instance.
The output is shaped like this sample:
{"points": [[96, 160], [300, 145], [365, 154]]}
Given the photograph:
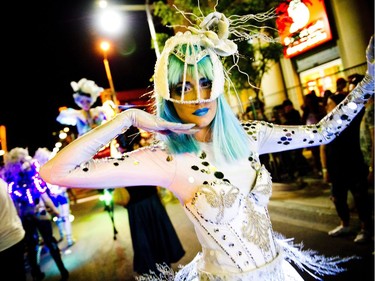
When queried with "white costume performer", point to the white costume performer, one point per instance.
{"points": [[225, 200], [86, 118]]}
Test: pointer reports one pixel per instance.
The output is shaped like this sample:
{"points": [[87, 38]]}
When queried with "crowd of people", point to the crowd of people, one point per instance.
{"points": [[209, 160]]}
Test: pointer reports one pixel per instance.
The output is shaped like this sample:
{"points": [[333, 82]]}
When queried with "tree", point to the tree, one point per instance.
{"points": [[257, 56]]}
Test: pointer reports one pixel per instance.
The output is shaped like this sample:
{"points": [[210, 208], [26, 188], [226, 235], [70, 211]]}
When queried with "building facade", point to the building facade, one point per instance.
{"points": [[317, 67]]}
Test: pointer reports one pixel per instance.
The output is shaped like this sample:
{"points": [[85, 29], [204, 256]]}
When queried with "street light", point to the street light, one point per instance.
{"points": [[105, 46], [110, 18]]}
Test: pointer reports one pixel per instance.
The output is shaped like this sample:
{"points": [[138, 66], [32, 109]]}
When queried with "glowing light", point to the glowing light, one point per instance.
{"points": [[103, 4], [71, 218], [29, 196], [110, 21], [104, 45], [63, 135], [106, 197]]}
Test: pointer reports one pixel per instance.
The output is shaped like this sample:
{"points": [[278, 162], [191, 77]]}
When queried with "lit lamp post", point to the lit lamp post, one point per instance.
{"points": [[104, 45]]}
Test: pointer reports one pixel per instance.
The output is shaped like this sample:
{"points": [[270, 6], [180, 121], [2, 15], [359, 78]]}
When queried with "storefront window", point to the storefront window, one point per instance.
{"points": [[321, 78]]}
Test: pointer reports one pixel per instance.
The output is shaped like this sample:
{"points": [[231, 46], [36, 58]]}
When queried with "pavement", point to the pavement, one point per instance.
{"points": [[308, 204]]}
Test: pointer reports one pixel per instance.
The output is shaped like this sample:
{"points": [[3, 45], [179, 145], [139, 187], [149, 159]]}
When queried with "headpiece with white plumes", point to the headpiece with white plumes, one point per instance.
{"points": [[87, 88], [210, 35]]}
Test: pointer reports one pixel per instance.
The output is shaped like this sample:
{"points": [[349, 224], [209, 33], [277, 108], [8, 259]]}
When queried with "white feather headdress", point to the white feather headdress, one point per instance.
{"points": [[211, 38], [86, 87]]}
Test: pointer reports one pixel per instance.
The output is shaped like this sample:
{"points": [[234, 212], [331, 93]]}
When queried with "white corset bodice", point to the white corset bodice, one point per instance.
{"points": [[232, 222]]}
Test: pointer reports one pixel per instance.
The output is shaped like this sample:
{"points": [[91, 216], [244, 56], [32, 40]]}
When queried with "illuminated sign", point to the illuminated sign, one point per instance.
{"points": [[303, 26]]}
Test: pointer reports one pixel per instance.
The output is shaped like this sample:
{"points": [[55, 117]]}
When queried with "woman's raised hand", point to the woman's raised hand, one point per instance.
{"points": [[151, 123]]}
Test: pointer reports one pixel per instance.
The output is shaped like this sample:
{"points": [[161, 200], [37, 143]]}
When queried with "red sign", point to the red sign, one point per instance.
{"points": [[306, 26]]}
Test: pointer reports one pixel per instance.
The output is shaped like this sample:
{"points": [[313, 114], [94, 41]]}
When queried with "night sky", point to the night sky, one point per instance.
{"points": [[48, 44]]}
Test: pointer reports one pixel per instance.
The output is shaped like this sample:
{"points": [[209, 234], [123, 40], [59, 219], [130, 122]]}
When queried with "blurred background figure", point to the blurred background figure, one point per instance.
{"points": [[88, 117], [341, 84], [344, 167], [12, 247], [326, 95], [353, 80], [313, 112], [291, 115], [86, 92], [296, 163], [34, 206], [60, 198], [255, 110], [366, 130], [154, 238]]}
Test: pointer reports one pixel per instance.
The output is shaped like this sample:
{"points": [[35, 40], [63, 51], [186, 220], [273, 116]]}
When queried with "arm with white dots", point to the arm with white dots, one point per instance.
{"points": [[60, 168]]}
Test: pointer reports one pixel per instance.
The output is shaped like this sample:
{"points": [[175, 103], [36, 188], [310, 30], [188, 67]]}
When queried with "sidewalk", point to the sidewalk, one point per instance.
{"points": [[309, 206]]}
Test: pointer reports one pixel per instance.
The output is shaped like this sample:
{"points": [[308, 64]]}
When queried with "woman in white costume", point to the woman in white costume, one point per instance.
{"points": [[209, 160], [86, 92]]}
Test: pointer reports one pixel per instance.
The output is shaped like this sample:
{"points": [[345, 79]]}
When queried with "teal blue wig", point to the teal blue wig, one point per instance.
{"points": [[229, 139]]}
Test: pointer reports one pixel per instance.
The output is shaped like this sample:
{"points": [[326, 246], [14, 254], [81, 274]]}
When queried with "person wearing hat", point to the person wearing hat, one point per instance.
{"points": [[86, 92], [209, 159]]}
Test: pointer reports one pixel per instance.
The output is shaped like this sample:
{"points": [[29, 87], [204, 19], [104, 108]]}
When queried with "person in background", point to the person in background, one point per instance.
{"points": [[154, 238], [341, 84], [353, 80], [326, 95], [344, 167], [209, 160], [291, 115], [12, 244], [60, 198], [313, 112], [86, 92], [295, 161], [29, 194], [255, 110], [366, 130]]}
